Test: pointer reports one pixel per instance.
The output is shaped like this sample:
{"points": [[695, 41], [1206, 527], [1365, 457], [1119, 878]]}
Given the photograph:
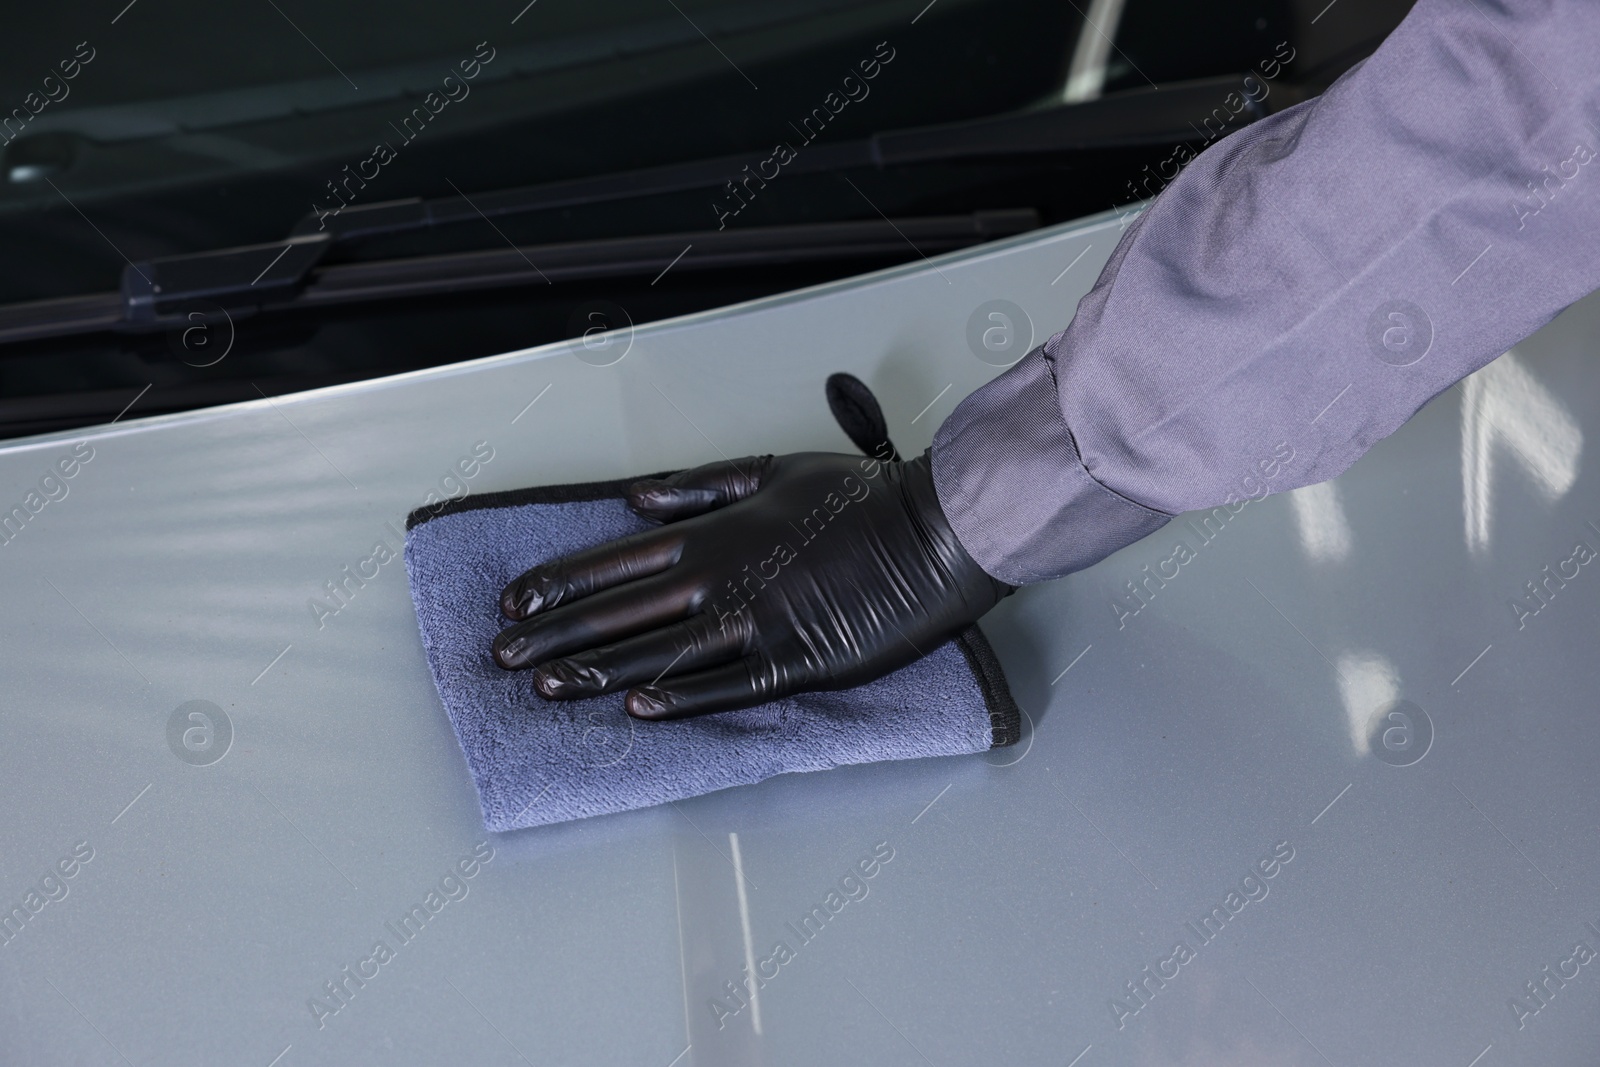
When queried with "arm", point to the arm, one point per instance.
{"points": [[1436, 205], [1297, 293]]}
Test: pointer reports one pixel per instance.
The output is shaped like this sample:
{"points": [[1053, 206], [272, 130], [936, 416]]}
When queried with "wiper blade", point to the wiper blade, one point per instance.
{"points": [[649, 256], [419, 276], [1123, 120]]}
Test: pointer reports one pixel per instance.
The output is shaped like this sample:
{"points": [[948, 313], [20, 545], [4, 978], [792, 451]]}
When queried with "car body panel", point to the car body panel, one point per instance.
{"points": [[1168, 751]]}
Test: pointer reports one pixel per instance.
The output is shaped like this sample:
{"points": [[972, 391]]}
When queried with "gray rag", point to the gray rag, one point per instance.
{"points": [[536, 761]]}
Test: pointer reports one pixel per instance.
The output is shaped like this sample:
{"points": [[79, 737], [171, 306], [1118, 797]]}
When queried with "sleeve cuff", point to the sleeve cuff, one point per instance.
{"points": [[1014, 489]]}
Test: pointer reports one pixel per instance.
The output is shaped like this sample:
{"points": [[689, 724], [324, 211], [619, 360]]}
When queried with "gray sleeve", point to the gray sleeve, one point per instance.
{"points": [[1299, 291]]}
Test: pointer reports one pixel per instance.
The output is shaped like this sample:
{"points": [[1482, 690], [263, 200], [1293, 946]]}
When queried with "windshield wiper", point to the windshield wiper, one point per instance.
{"points": [[458, 272], [1124, 120], [157, 293]]}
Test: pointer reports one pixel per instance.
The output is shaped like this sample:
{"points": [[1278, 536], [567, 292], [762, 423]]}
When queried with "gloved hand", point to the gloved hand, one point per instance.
{"points": [[771, 575]]}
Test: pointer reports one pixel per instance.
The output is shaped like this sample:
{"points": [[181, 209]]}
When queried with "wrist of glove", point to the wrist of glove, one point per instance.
{"points": [[769, 575]]}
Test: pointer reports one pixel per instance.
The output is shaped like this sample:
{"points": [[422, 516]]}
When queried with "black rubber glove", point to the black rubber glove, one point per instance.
{"points": [[772, 575]]}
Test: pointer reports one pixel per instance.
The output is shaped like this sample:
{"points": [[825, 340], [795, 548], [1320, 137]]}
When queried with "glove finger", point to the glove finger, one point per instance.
{"points": [[695, 492], [727, 688], [600, 619], [572, 577], [692, 644]]}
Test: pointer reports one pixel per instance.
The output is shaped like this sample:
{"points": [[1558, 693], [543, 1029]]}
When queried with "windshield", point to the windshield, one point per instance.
{"points": [[204, 204], [176, 127]]}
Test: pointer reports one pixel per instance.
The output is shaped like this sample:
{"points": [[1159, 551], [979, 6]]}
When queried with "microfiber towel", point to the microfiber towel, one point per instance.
{"points": [[537, 761]]}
